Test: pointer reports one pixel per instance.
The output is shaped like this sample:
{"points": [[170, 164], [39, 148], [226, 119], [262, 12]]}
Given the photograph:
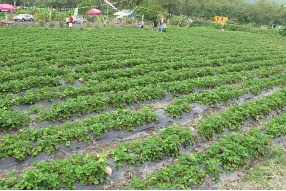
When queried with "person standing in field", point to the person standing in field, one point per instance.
{"points": [[36, 17], [70, 21], [164, 27], [104, 22], [141, 26], [160, 26], [82, 19], [155, 23]]}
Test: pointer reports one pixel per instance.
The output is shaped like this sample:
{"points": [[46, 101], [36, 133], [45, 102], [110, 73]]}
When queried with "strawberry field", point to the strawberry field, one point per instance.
{"points": [[122, 108]]}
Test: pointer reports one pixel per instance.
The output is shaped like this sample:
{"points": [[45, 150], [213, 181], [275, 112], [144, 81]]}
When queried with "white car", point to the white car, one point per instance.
{"points": [[76, 20], [23, 17]]}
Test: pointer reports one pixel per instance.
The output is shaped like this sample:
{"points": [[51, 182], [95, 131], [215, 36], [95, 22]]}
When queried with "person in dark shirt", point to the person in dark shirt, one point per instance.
{"points": [[155, 23]]}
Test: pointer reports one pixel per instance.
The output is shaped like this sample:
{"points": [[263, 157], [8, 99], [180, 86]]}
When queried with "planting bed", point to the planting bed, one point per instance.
{"points": [[136, 109]]}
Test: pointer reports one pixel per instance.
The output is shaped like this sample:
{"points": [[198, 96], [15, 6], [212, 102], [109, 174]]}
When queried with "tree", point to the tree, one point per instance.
{"points": [[191, 7], [261, 12]]}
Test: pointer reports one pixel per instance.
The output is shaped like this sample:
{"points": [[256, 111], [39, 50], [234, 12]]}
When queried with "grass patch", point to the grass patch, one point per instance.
{"points": [[267, 173]]}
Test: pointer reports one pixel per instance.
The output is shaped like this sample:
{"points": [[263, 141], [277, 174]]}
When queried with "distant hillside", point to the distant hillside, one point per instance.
{"points": [[275, 1]]}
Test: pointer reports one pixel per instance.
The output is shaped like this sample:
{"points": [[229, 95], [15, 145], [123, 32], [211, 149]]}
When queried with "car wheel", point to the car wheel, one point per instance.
{"points": [[32, 20], [23, 19]]}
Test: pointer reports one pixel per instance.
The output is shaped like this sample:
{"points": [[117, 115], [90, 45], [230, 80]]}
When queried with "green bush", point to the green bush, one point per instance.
{"points": [[62, 24], [282, 32], [198, 23], [52, 25], [179, 21], [41, 23]]}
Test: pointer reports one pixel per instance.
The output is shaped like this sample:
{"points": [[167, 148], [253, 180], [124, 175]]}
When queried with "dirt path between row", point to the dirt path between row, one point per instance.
{"points": [[112, 139]]}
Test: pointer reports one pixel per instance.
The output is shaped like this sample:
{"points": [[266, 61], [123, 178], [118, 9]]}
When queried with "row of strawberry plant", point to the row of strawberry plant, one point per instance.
{"points": [[167, 143], [96, 103], [194, 61], [250, 57], [24, 63], [240, 55], [60, 174], [30, 82], [10, 119], [117, 65], [20, 85], [191, 170], [141, 69], [276, 127], [218, 155], [115, 101], [33, 141], [172, 73], [223, 93], [6, 123], [72, 51], [252, 65], [185, 86], [178, 75], [235, 115], [51, 71]]}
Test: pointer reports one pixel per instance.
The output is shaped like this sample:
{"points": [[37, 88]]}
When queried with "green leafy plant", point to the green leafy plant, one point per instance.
{"points": [[61, 174], [167, 143]]}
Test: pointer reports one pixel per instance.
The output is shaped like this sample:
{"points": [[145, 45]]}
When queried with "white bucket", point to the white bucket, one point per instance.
{"points": [[70, 24]]}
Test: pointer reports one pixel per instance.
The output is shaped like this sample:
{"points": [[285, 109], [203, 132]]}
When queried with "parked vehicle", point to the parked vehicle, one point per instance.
{"points": [[78, 20], [23, 17]]}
